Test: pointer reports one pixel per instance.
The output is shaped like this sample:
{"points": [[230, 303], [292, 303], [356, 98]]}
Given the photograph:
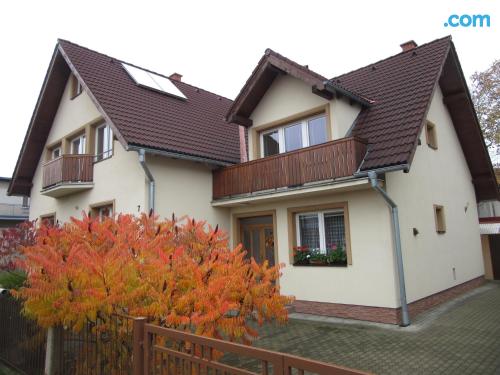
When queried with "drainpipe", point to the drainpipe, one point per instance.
{"points": [[142, 161], [405, 316]]}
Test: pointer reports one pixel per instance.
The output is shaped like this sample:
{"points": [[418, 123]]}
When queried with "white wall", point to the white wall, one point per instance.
{"points": [[118, 178], [185, 188], [289, 96], [369, 281], [437, 177]]}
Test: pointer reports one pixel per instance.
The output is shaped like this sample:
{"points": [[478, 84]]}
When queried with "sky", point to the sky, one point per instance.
{"points": [[216, 44]]}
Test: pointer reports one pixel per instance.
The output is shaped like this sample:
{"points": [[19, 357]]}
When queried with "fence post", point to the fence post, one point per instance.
{"points": [[53, 351], [138, 346]]}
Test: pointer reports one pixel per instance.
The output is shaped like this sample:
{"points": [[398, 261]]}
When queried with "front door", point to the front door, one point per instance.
{"points": [[257, 237], [495, 255]]}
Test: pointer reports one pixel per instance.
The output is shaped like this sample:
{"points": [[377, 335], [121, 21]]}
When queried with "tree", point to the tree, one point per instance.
{"points": [[486, 98], [12, 240], [180, 273]]}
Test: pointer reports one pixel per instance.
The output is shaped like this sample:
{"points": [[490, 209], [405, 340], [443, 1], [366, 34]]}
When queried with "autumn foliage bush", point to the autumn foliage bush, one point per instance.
{"points": [[179, 273]]}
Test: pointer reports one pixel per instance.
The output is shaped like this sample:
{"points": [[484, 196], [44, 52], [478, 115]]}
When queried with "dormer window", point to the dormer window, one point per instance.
{"points": [[304, 133], [76, 87]]}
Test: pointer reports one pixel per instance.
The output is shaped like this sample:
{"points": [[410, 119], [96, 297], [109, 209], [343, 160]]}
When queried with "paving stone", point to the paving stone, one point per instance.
{"points": [[460, 337]]}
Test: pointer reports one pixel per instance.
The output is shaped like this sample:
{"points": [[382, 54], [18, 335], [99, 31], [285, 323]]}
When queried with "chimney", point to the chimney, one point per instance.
{"points": [[176, 77], [409, 45]]}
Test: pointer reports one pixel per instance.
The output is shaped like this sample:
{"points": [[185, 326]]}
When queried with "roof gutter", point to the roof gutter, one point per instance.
{"points": [[405, 316], [176, 155], [393, 168], [149, 175]]}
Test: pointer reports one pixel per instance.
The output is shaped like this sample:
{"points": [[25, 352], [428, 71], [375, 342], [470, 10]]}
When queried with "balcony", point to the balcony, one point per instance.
{"points": [[67, 174], [327, 161], [9, 211]]}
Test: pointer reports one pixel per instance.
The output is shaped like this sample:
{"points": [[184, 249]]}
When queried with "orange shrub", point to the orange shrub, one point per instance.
{"points": [[179, 273]]}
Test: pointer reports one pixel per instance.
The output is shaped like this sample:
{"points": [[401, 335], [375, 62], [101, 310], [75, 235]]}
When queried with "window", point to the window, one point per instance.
{"points": [[323, 230], [26, 201], [103, 211], [308, 132], [76, 87], [430, 134], [56, 152], [48, 220], [271, 144], [439, 217], [78, 145], [103, 142]]}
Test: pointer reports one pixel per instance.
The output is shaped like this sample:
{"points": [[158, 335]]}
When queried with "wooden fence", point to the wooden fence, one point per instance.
{"points": [[123, 345], [330, 160]]}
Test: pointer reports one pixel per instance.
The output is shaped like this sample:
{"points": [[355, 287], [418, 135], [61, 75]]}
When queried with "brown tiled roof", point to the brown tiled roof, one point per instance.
{"points": [[151, 119], [401, 87]]}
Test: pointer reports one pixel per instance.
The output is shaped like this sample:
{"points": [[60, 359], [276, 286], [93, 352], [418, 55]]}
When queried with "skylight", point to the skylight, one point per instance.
{"points": [[153, 81]]}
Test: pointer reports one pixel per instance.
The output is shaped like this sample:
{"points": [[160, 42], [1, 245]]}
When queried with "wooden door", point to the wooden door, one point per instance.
{"points": [[258, 241], [495, 255]]}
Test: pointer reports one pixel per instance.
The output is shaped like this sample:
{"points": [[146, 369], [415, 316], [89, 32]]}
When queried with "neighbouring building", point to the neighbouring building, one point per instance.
{"points": [[13, 210], [347, 181]]}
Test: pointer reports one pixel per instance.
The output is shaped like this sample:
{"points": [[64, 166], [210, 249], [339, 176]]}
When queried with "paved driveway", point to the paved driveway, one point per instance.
{"points": [[460, 337]]}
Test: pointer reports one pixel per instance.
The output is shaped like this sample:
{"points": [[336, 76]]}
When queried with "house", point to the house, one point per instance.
{"points": [[372, 177], [13, 210], [489, 226]]}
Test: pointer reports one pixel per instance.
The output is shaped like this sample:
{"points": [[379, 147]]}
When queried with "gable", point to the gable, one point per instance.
{"points": [[72, 114]]}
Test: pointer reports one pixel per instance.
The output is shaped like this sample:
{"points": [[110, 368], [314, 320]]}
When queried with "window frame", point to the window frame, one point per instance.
{"points": [[82, 145], [76, 87], [107, 135], [304, 123], [52, 152], [321, 226], [293, 212], [95, 209], [431, 135], [439, 219]]}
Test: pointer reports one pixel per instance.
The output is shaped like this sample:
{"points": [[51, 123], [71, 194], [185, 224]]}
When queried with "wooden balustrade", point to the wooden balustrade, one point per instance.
{"points": [[330, 160], [68, 169]]}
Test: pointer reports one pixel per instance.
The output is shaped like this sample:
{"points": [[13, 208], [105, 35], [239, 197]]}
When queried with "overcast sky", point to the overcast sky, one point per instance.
{"points": [[216, 44]]}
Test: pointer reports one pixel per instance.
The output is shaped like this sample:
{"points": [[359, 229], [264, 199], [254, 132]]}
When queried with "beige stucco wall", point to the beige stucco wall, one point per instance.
{"points": [[185, 188], [369, 281], [289, 96], [72, 114], [119, 178], [434, 262]]}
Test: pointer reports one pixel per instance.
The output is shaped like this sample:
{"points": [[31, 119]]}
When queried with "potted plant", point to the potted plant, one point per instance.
{"points": [[301, 255], [317, 257], [336, 256]]}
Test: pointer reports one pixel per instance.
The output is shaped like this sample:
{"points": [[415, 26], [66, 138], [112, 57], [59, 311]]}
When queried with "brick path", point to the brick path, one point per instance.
{"points": [[461, 337]]}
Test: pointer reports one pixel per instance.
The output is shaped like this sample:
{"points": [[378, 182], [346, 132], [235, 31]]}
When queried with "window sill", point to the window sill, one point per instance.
{"points": [[343, 265]]}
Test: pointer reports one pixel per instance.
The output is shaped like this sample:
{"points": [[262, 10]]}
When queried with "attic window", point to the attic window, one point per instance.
{"points": [[76, 87], [439, 217], [430, 134], [153, 81]]}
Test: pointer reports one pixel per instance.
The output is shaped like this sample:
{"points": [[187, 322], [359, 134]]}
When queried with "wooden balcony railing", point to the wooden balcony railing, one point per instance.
{"points": [[334, 159], [68, 169]]}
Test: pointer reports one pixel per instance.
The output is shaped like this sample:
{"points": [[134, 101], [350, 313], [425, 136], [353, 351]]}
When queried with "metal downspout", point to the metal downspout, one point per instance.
{"points": [[405, 316], [142, 161]]}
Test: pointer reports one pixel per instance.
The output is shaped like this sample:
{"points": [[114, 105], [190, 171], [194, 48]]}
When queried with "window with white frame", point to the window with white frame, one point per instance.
{"points": [[103, 142], [78, 145], [56, 152], [102, 212], [308, 132], [321, 230]]}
